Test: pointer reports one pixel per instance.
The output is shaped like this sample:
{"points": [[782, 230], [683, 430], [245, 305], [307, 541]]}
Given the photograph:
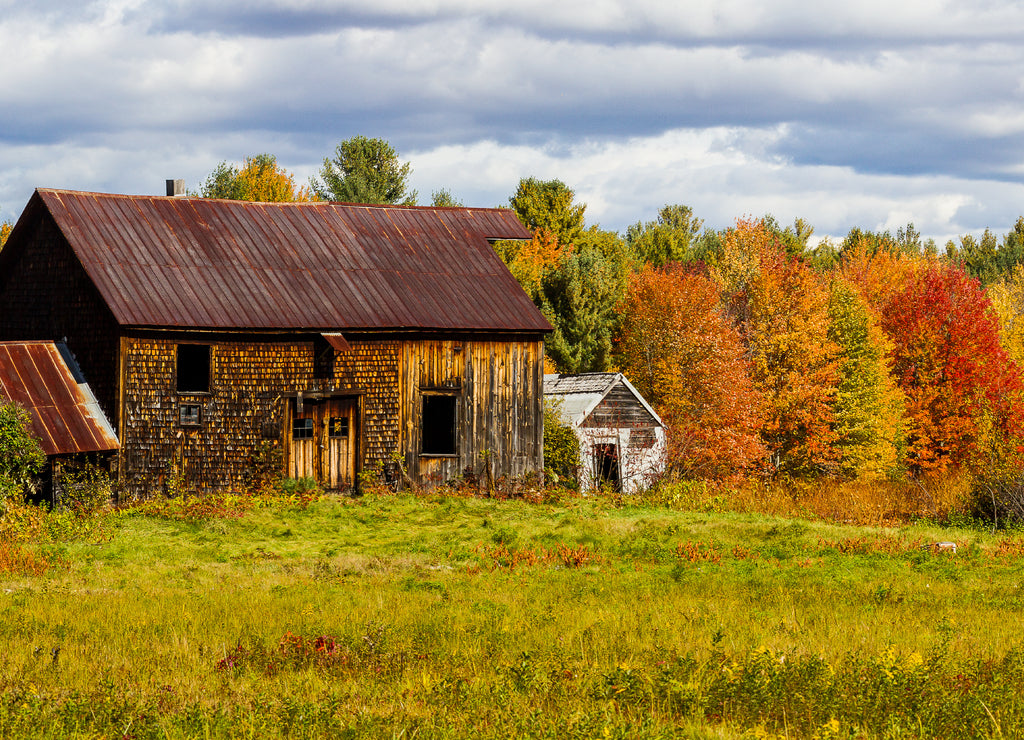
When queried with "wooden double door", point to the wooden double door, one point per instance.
{"points": [[324, 441]]}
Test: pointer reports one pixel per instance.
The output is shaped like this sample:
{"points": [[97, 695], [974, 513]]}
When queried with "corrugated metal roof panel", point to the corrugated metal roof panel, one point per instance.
{"points": [[215, 264], [63, 413]]}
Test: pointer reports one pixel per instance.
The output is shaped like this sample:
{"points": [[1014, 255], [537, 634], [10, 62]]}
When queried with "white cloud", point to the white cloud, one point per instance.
{"points": [[723, 173], [861, 113]]}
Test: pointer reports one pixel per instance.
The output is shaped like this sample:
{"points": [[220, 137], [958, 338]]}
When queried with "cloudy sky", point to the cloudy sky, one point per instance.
{"points": [[868, 114]]}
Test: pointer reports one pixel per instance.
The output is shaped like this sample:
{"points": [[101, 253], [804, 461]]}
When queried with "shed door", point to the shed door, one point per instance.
{"points": [[323, 442]]}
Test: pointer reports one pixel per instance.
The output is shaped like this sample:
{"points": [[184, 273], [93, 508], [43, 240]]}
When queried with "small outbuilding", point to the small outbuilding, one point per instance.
{"points": [[622, 439], [44, 379]]}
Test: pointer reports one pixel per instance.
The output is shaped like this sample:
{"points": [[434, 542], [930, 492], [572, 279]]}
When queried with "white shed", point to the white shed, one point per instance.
{"points": [[622, 439]]}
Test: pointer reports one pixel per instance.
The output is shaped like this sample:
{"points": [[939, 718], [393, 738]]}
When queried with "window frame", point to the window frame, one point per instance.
{"points": [[426, 397], [178, 368], [198, 415]]}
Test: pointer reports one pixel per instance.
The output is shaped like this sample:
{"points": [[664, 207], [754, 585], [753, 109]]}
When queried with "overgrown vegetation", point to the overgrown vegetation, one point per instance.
{"points": [[21, 457], [463, 616]]}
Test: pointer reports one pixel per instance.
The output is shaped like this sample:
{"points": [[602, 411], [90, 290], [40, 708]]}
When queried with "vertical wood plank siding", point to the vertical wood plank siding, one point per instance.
{"points": [[499, 385]]}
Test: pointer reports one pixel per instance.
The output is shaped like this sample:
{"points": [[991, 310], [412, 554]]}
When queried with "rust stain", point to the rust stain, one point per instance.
{"points": [[63, 414], [218, 264]]}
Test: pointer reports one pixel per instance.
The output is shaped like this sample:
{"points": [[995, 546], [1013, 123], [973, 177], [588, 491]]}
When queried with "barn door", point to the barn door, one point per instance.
{"points": [[323, 442], [338, 462], [304, 445]]}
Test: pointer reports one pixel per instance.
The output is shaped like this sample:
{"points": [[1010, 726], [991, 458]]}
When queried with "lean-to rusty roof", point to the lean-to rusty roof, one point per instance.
{"points": [[63, 413], [220, 264]]}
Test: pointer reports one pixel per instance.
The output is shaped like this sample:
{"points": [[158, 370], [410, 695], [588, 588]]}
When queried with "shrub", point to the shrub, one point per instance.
{"points": [[84, 488], [21, 457], [561, 448]]}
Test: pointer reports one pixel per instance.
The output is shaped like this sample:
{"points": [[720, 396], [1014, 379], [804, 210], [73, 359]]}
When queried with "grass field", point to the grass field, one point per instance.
{"points": [[402, 616]]}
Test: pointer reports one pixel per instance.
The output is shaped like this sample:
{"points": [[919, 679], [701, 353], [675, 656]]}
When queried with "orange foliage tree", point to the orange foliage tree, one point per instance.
{"points": [[948, 361], [780, 307], [680, 351]]}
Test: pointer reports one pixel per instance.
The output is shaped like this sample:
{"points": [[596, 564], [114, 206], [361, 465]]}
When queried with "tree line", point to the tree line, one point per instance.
{"points": [[880, 356], [877, 356]]}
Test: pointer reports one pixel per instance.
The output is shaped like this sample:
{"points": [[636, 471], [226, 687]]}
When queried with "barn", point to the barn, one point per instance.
{"points": [[323, 340], [622, 439]]}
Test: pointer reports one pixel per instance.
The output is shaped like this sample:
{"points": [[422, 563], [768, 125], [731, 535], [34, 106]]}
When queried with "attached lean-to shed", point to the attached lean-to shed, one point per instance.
{"points": [[63, 414], [622, 439], [322, 340]]}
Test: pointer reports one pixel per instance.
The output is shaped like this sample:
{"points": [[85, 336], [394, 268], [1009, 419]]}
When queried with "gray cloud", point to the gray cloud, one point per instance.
{"points": [[924, 94]]}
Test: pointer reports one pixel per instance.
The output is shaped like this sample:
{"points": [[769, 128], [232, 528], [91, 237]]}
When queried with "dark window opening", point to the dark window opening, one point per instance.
{"points": [[606, 465], [189, 415], [302, 429], [338, 427], [439, 425], [193, 368]]}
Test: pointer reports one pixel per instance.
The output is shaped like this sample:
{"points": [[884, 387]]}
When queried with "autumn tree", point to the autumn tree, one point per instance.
{"points": [[869, 421], [949, 363], [364, 170], [549, 205], [781, 311], [260, 179], [1007, 297], [878, 274], [5, 231], [681, 352]]}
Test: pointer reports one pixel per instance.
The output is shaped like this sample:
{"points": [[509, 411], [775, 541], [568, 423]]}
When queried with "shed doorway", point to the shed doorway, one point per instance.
{"points": [[323, 441], [606, 466]]}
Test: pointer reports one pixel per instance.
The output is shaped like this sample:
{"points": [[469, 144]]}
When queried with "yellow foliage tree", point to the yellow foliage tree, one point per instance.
{"points": [[5, 231], [1007, 296], [261, 179], [869, 409]]}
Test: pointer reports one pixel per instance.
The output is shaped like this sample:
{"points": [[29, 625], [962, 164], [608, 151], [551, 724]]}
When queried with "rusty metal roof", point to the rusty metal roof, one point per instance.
{"points": [[221, 264], [63, 412]]}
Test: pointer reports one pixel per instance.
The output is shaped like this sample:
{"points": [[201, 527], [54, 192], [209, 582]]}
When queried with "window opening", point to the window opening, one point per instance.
{"points": [[302, 429], [193, 368], [438, 424], [338, 427], [189, 415]]}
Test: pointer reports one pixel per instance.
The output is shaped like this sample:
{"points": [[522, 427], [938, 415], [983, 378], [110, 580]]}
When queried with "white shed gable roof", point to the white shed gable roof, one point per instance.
{"points": [[581, 394]]}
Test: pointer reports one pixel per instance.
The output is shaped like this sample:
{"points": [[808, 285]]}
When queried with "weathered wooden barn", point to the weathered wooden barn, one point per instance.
{"points": [[63, 414], [218, 335], [622, 439]]}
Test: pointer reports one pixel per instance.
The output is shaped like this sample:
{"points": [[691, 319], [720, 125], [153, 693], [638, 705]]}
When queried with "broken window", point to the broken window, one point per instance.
{"points": [[438, 424], [193, 368], [189, 415]]}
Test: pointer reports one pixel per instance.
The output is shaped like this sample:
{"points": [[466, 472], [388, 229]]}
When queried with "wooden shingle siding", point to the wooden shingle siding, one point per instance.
{"points": [[46, 295], [251, 384]]}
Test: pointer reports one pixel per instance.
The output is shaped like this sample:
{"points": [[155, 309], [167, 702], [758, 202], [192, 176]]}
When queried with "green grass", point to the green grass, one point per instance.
{"points": [[466, 617]]}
